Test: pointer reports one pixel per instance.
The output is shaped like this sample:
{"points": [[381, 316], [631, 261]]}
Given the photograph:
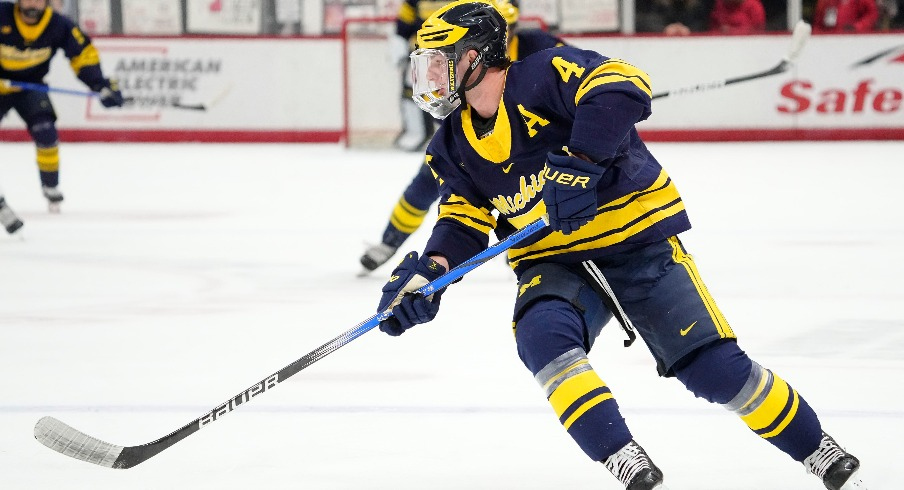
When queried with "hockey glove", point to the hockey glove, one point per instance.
{"points": [[110, 96], [570, 191], [410, 309]]}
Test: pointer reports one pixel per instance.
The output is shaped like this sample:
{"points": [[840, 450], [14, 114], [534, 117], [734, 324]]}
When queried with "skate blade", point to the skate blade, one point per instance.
{"points": [[53, 207]]}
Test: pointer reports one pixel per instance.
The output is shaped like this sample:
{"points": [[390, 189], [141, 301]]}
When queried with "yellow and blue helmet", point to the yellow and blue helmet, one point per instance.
{"points": [[442, 42]]}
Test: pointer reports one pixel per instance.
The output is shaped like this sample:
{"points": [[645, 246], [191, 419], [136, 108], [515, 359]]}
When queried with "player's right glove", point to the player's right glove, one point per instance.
{"points": [[410, 309], [110, 96], [570, 191]]}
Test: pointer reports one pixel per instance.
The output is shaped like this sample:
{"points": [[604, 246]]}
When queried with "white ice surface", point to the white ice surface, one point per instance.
{"points": [[178, 275]]}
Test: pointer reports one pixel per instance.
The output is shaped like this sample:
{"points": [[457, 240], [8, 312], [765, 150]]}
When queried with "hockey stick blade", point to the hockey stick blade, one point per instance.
{"points": [[71, 442], [799, 38]]}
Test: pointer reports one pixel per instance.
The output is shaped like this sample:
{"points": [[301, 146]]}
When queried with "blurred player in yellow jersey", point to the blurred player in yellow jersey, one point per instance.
{"points": [[30, 35], [412, 206]]}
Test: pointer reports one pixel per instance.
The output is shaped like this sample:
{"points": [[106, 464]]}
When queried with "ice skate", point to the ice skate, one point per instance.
{"points": [[375, 256], [8, 218], [54, 198], [634, 468], [837, 469]]}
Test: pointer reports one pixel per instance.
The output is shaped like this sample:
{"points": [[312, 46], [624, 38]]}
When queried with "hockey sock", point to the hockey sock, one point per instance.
{"points": [[411, 209], [581, 400], [722, 373], [46, 140], [404, 221]]}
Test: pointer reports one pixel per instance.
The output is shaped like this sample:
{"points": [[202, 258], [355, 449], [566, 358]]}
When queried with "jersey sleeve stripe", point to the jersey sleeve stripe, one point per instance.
{"points": [[617, 220], [614, 71], [459, 209], [88, 57]]}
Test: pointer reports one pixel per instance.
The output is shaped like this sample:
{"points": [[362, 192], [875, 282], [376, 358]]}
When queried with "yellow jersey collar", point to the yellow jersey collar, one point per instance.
{"points": [[32, 32]]}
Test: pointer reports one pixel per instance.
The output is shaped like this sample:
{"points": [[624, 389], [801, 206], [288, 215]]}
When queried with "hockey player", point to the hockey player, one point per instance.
{"points": [[554, 134], [411, 208], [30, 35], [417, 126]]}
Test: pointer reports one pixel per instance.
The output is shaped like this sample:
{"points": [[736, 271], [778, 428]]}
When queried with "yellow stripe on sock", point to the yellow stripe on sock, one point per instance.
{"points": [[787, 420], [586, 406], [49, 159], [770, 407], [406, 217], [572, 389]]}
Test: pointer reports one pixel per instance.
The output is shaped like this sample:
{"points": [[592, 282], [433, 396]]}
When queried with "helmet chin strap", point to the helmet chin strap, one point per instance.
{"points": [[473, 66]]}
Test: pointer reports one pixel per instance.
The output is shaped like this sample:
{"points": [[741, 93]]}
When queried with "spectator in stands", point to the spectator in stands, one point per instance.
{"points": [[845, 16], [737, 17], [888, 10], [672, 17], [896, 20]]}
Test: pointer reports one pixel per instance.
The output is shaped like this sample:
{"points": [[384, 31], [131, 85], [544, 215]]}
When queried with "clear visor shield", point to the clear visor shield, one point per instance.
{"points": [[431, 72]]}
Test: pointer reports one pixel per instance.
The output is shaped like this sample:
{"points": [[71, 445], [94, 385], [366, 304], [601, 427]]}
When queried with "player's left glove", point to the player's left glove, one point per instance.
{"points": [[110, 96], [410, 309], [570, 191]]}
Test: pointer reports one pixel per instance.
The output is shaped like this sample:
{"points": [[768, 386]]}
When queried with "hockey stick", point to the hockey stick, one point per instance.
{"points": [[40, 87], [798, 39], [875, 57], [64, 439]]}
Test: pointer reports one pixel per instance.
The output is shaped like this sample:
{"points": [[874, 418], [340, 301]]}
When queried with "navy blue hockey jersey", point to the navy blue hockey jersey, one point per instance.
{"points": [[26, 50], [553, 99]]}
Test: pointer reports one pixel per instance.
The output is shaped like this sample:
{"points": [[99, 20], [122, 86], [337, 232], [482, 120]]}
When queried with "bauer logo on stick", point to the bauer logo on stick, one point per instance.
{"points": [[239, 399]]}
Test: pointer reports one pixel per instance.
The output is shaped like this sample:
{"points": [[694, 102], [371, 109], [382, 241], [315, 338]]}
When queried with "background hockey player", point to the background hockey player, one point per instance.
{"points": [[412, 206], [554, 134], [417, 126], [30, 35]]}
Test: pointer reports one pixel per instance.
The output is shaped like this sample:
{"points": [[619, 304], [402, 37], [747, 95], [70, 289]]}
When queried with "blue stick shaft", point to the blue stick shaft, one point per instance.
{"points": [[40, 87]]}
